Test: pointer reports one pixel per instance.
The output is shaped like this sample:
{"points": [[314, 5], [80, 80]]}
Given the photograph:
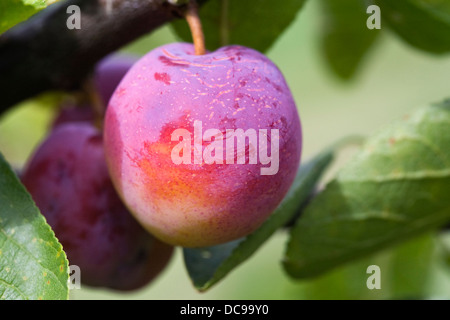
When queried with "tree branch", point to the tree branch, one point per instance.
{"points": [[43, 54]]}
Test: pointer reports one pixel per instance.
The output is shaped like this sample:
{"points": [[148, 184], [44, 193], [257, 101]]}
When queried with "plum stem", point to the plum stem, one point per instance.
{"points": [[195, 25], [95, 102]]}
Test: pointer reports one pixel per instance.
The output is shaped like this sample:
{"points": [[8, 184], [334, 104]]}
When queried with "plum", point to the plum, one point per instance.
{"points": [[68, 179], [71, 112], [110, 71], [202, 148]]}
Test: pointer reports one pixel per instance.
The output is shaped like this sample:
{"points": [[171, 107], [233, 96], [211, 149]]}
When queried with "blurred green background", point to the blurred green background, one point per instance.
{"points": [[393, 80]]}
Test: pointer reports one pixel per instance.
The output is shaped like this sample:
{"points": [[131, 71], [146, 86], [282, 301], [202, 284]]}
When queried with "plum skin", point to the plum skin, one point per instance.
{"points": [[69, 182], [195, 205]]}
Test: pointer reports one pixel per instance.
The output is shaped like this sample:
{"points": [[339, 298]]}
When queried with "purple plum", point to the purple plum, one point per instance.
{"points": [[109, 72], [68, 179], [202, 148]]}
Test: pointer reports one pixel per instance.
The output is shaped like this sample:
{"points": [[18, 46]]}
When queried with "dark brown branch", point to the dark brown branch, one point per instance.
{"points": [[43, 54]]}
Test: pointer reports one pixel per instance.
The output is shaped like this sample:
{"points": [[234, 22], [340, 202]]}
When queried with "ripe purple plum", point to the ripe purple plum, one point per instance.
{"points": [[202, 148], [71, 113], [109, 72], [69, 181]]}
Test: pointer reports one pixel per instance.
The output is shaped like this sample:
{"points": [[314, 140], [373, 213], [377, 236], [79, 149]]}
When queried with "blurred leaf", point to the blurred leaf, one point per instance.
{"points": [[348, 282], [32, 262], [206, 266], [425, 24], [444, 239], [255, 24], [14, 11], [405, 271], [345, 37], [410, 267], [398, 186]]}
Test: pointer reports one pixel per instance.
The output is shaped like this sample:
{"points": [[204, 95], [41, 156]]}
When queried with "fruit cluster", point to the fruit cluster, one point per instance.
{"points": [[196, 150]]}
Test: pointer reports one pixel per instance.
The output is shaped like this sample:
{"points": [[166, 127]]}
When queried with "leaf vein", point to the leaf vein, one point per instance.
{"points": [[413, 175], [429, 145], [25, 250], [5, 283]]}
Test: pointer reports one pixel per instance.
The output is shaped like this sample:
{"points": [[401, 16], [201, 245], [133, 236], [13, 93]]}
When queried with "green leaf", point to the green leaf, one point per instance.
{"points": [[411, 267], [405, 272], [345, 37], [255, 24], [206, 266], [425, 24], [397, 187], [444, 239], [32, 262], [14, 11]]}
